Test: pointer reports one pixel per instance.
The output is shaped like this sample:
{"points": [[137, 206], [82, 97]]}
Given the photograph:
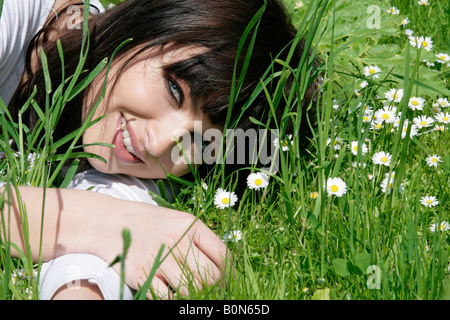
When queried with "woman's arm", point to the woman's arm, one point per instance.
{"points": [[77, 221]]}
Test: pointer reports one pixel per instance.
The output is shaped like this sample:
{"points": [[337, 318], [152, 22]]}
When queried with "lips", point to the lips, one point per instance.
{"points": [[125, 142]]}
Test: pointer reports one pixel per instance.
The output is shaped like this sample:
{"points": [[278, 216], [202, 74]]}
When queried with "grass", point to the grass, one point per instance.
{"points": [[298, 241]]}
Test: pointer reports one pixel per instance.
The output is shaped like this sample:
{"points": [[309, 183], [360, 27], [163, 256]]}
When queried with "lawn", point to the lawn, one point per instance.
{"points": [[363, 212]]}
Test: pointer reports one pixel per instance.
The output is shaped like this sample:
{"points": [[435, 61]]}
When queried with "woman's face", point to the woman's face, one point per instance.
{"points": [[145, 115]]}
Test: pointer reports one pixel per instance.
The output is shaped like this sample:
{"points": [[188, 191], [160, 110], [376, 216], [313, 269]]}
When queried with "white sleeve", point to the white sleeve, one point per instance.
{"points": [[119, 186], [19, 22]]}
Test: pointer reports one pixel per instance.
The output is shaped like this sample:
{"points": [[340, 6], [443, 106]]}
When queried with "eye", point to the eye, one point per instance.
{"points": [[175, 91]]}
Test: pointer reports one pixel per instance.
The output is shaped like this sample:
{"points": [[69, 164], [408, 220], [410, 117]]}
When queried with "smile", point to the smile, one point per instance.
{"points": [[127, 139]]}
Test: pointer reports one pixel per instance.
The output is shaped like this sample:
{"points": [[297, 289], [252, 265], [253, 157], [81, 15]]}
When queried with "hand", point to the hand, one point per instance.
{"points": [[192, 251]]}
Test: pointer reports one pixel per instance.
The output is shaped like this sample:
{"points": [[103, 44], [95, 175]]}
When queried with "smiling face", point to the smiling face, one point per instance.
{"points": [[146, 112]]}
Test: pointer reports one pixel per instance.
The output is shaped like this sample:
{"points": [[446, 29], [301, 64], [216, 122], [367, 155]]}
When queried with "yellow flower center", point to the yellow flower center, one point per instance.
{"points": [[442, 104], [415, 103], [372, 71], [442, 57], [423, 123], [384, 159], [429, 201], [441, 227], [385, 116], [445, 118], [258, 182], [424, 44], [314, 194], [225, 200], [434, 160], [378, 126], [334, 188], [355, 148]]}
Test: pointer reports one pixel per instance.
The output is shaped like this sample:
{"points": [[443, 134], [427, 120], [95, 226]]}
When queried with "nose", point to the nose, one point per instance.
{"points": [[166, 137]]}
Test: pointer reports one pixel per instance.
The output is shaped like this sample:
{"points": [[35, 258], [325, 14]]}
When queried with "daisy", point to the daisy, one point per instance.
{"points": [[433, 160], [414, 131], [376, 125], [336, 186], [442, 57], [423, 2], [443, 102], [416, 103], [387, 114], [371, 71], [443, 226], [336, 143], [387, 184], [393, 10], [443, 117], [429, 201], [435, 108], [439, 128], [426, 43], [354, 148], [233, 236], [414, 41], [394, 95], [404, 22], [382, 158], [314, 195], [257, 180], [423, 121], [224, 199], [408, 32], [284, 143]]}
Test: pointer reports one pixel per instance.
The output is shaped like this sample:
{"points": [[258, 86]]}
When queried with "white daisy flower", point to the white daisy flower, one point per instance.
{"points": [[284, 143], [414, 41], [443, 226], [336, 186], [409, 32], [433, 160], [426, 43], [416, 103], [336, 143], [233, 236], [224, 199], [393, 10], [442, 117], [387, 184], [354, 148], [404, 22], [382, 158], [257, 180], [428, 63], [442, 57], [439, 128], [429, 201], [387, 114], [313, 194], [443, 102], [371, 71], [395, 95], [423, 2], [376, 125], [423, 121], [435, 108], [414, 130]]}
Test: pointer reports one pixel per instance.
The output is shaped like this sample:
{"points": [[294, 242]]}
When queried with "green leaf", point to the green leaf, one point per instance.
{"points": [[362, 261], [321, 294], [341, 267]]}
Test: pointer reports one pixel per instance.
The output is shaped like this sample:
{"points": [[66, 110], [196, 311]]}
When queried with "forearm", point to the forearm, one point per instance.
{"points": [[68, 221]]}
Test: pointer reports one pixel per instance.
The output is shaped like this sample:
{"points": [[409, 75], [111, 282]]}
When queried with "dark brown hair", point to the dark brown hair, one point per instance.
{"points": [[216, 25]]}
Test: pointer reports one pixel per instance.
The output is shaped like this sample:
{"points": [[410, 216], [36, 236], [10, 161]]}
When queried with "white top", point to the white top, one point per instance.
{"points": [[119, 186], [19, 22]]}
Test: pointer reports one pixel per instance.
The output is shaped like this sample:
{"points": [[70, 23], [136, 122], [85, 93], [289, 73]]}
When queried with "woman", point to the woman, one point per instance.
{"points": [[176, 72]]}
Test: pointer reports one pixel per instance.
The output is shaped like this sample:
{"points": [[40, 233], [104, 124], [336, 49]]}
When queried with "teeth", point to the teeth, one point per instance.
{"points": [[126, 138]]}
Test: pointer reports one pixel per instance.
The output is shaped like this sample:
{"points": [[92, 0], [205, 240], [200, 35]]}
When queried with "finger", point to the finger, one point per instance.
{"points": [[159, 290], [212, 246], [180, 278]]}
